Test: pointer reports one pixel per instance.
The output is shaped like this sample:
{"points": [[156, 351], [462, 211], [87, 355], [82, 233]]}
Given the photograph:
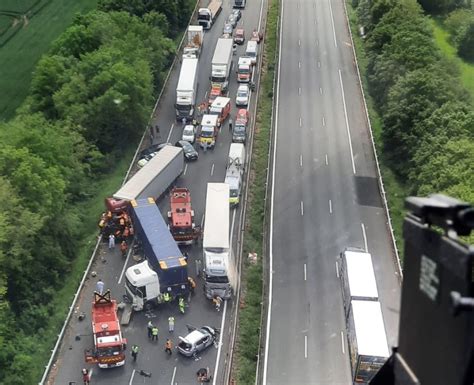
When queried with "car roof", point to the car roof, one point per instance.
{"points": [[193, 337], [239, 30], [243, 87]]}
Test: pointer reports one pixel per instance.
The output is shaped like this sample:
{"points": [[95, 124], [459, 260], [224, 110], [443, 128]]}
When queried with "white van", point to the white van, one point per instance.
{"points": [[235, 171], [252, 50]]}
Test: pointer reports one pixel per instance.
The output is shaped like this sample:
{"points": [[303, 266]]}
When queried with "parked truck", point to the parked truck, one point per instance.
{"points": [[244, 69], [181, 217], [207, 16], [216, 248], [186, 91], [109, 343], [155, 177], [222, 63], [195, 39], [164, 274], [368, 348], [234, 172]]}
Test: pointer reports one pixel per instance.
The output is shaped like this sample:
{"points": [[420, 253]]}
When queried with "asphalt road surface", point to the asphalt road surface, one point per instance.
{"points": [[110, 266], [325, 198]]}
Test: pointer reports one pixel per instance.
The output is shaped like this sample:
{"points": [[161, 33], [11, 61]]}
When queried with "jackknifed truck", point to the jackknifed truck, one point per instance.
{"points": [[164, 275], [222, 63], [109, 344], [207, 16], [186, 91], [216, 247]]}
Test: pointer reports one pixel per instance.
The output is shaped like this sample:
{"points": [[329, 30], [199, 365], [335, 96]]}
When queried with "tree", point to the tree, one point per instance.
{"points": [[457, 22], [466, 43], [440, 6]]}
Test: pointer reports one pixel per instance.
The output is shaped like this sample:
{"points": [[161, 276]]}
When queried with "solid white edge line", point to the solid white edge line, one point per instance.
{"points": [[347, 121], [337, 270], [304, 271], [270, 250], [342, 342], [131, 378], [169, 135], [305, 346], [332, 22], [174, 375], [219, 348], [365, 237]]}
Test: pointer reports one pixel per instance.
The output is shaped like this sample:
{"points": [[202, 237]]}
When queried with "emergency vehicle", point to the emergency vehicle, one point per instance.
{"points": [[109, 344], [221, 108], [181, 217], [209, 131]]}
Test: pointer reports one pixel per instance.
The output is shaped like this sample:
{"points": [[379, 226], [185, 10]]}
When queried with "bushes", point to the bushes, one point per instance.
{"points": [[427, 129]]}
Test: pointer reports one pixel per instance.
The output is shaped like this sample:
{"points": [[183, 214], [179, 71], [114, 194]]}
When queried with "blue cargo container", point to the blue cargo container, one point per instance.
{"points": [[160, 249]]}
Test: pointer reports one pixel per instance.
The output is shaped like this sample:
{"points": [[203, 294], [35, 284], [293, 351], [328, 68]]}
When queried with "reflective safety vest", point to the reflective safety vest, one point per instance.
{"points": [[154, 331], [135, 348], [166, 297]]}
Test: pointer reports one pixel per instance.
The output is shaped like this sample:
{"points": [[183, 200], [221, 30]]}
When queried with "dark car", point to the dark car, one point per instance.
{"points": [[197, 341], [190, 152]]}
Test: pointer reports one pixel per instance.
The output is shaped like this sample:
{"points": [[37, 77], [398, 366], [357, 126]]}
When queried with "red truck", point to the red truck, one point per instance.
{"points": [[181, 217], [109, 344]]}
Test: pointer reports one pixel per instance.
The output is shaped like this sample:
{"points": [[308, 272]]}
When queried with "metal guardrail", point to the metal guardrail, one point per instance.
{"points": [[379, 174], [54, 352]]}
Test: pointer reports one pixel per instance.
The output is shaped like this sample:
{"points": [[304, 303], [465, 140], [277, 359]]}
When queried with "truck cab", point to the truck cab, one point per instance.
{"points": [[215, 275], [142, 286], [234, 172], [209, 131], [244, 69]]}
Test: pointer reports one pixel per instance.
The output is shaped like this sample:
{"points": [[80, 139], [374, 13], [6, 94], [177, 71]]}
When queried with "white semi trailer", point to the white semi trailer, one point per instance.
{"points": [[216, 247], [186, 91]]}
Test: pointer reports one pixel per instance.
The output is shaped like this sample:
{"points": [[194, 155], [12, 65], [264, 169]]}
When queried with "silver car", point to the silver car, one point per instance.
{"points": [[189, 133], [228, 29], [243, 94], [197, 341]]}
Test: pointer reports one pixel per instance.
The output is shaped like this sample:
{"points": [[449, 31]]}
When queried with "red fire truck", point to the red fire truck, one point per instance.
{"points": [[181, 217], [109, 344]]}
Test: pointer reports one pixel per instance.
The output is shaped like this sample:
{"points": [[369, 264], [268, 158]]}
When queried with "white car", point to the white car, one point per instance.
{"points": [[189, 133], [243, 94]]}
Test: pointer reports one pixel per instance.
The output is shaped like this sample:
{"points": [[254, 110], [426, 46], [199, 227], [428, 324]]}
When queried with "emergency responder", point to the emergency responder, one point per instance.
{"points": [[230, 124], [192, 284], [135, 349], [154, 333], [181, 305], [166, 297], [217, 301], [149, 329], [171, 324], [168, 347], [123, 248], [85, 376]]}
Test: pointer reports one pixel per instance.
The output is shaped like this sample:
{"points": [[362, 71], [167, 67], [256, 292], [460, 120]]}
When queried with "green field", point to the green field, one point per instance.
{"points": [[27, 28], [467, 69]]}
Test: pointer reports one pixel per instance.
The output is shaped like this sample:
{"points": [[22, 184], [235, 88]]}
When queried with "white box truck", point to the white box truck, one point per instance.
{"points": [[367, 340], [234, 172], [195, 39], [356, 272], [222, 63], [207, 16], [186, 91], [216, 247], [155, 177]]}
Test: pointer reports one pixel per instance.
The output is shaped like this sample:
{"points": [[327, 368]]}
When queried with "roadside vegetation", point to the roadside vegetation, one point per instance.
{"points": [[421, 114], [250, 314], [67, 148]]}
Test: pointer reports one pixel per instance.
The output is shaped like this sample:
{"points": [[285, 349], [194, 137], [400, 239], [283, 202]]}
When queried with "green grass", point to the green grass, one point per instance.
{"points": [[449, 51], [250, 313], [21, 50], [394, 189]]}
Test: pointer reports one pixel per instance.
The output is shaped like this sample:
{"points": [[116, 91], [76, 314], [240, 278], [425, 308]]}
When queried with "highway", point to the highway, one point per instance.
{"points": [[110, 266], [324, 198]]}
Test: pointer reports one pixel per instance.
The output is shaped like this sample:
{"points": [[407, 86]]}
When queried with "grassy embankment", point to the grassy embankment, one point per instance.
{"points": [[466, 69], [27, 28], [252, 274]]}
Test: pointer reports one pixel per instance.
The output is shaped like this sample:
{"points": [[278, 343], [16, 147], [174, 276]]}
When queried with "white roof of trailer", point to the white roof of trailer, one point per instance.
{"points": [[216, 219], [360, 273], [146, 175], [369, 328]]}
